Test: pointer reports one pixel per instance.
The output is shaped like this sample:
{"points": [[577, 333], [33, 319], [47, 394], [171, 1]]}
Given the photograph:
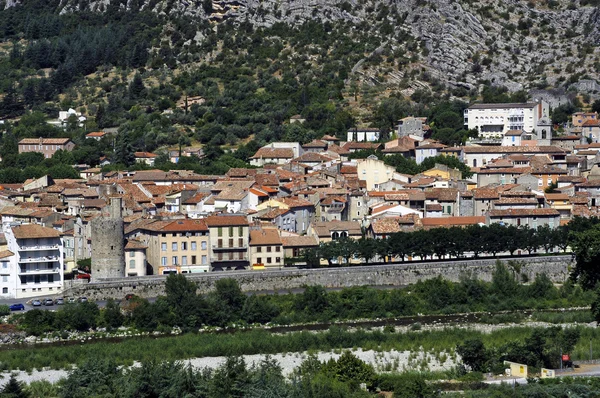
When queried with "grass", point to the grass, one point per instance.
{"points": [[263, 342]]}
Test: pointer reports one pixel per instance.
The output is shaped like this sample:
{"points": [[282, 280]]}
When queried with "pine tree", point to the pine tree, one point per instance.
{"points": [[136, 87], [13, 389]]}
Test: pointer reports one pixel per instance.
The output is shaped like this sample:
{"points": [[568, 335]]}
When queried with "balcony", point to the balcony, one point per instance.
{"points": [[38, 247], [40, 271], [224, 248], [45, 259], [228, 259]]}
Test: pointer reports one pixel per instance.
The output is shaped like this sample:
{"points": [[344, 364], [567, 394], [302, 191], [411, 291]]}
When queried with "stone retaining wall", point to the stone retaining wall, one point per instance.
{"points": [[555, 267]]}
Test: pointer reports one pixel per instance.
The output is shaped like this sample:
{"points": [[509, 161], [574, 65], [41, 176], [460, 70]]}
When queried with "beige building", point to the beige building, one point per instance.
{"points": [[229, 236], [135, 258], [266, 248], [174, 246], [374, 172]]}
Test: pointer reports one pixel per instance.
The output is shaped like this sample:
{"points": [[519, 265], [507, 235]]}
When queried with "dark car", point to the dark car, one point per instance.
{"points": [[17, 307], [83, 299], [48, 302], [36, 303]]}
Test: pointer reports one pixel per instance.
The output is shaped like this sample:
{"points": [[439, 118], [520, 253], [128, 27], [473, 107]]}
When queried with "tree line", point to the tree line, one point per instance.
{"points": [[227, 305]]}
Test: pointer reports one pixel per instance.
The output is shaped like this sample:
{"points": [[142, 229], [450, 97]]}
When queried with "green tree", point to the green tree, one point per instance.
{"points": [[13, 389], [586, 247], [473, 354], [351, 370]]}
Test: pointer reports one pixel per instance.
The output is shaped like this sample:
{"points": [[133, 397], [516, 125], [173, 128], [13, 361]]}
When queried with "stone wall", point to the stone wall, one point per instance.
{"points": [[556, 267]]}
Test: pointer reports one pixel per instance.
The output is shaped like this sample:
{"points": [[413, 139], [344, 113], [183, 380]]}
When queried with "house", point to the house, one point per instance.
{"points": [[315, 146], [173, 246], [96, 135], [145, 157], [479, 156], [266, 248], [63, 117], [494, 120], [229, 238], [274, 155], [579, 118], [443, 171], [411, 126], [46, 146], [428, 150], [532, 218], [135, 258], [374, 172], [35, 264], [512, 138], [590, 129], [294, 214], [363, 134], [294, 245], [327, 231]]}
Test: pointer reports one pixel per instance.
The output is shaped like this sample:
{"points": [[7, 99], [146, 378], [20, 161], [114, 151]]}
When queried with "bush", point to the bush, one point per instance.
{"points": [[4, 310]]}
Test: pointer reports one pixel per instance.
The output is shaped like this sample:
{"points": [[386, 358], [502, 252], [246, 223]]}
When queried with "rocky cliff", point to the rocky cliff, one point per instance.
{"points": [[460, 43]]}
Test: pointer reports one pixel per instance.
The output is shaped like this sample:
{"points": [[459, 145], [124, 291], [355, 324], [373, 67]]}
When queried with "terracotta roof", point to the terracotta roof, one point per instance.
{"points": [[45, 141], [99, 134], [265, 237], [507, 170], [452, 221], [299, 241], [513, 149], [433, 207], [591, 123], [145, 155], [274, 153], [96, 203], [6, 253], [486, 193], [33, 231], [361, 145], [315, 144], [133, 244], [348, 170], [240, 172], [324, 228], [184, 225], [556, 196], [312, 157], [516, 201], [226, 220], [523, 212], [385, 226], [267, 179], [197, 198], [514, 133]]}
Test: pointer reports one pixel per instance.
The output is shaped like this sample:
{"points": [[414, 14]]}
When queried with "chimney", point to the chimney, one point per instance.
{"points": [[115, 207]]}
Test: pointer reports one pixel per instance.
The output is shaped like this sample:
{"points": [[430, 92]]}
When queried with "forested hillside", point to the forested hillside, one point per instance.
{"points": [[252, 65]]}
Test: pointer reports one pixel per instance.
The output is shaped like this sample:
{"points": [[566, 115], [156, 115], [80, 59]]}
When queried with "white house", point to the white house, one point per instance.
{"points": [[363, 134], [493, 120], [425, 151], [512, 138], [36, 265]]}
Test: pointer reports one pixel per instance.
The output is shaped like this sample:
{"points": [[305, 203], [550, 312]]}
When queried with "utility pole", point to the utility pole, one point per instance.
{"points": [[590, 348]]}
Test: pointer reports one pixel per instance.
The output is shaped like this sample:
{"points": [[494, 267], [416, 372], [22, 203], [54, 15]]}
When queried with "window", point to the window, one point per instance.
{"points": [[277, 249], [241, 242], [174, 246], [193, 260], [131, 264], [230, 242], [4, 278], [184, 260], [220, 231], [259, 249], [193, 245], [183, 245], [203, 259], [241, 231], [269, 248], [220, 243], [4, 264], [268, 260], [131, 254], [163, 261], [174, 260], [4, 290], [203, 245], [277, 259], [230, 231], [258, 260]]}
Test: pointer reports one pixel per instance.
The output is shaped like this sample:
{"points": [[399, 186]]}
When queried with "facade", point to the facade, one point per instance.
{"points": [[411, 126], [494, 120], [229, 238], [363, 134], [108, 243], [135, 258], [266, 248], [579, 118], [425, 151], [46, 146], [34, 263], [374, 172], [532, 218], [145, 157]]}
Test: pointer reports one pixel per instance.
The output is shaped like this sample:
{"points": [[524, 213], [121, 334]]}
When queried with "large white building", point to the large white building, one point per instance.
{"points": [[494, 120], [33, 265]]}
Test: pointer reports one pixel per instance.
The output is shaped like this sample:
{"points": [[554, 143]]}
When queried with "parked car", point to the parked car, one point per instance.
{"points": [[48, 302], [59, 301], [83, 276], [36, 303], [83, 299], [17, 307], [71, 300]]}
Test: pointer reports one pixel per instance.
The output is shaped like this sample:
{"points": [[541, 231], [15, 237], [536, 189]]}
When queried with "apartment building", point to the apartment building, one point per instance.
{"points": [[494, 120], [33, 264], [228, 241], [266, 248], [175, 246]]}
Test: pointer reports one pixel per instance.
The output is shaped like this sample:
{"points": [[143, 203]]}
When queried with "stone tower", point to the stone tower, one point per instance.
{"points": [[108, 243]]}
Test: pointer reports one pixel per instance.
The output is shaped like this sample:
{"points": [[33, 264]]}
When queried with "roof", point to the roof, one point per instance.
{"points": [[263, 237], [226, 220], [299, 241], [134, 244], [145, 155], [6, 253], [385, 226], [591, 123], [315, 144], [96, 134], [45, 141], [34, 231], [504, 106], [514, 133], [452, 221], [273, 153], [513, 149], [523, 212], [324, 228]]}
